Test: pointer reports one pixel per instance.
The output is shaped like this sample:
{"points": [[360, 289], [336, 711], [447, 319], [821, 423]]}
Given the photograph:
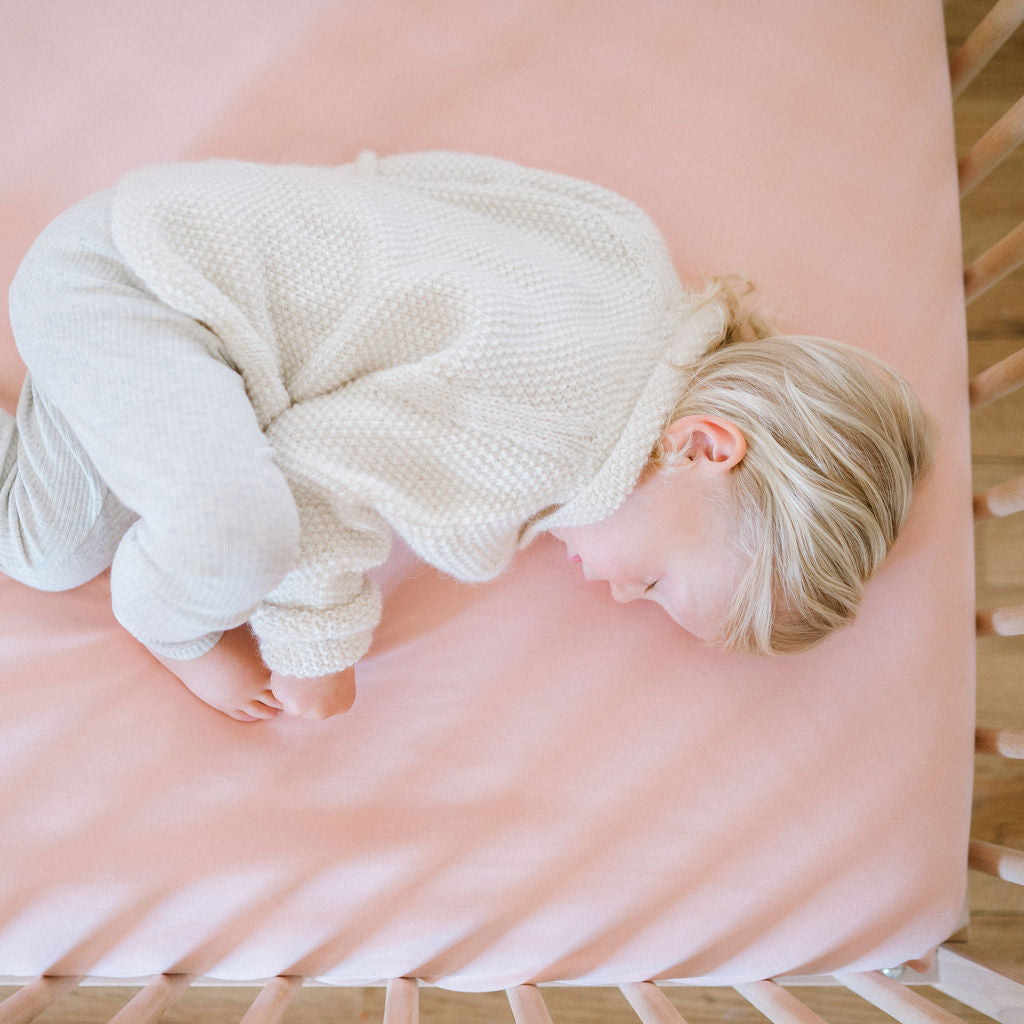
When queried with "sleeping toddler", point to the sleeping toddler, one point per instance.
{"points": [[243, 377]]}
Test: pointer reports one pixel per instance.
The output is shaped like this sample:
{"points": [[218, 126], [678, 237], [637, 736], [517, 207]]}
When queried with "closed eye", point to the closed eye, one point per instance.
{"points": [[650, 587]]}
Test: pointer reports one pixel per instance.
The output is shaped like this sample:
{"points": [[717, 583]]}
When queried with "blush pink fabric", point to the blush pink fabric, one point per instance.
{"points": [[535, 783]]}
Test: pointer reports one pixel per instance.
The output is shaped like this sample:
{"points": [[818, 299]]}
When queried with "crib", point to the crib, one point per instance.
{"points": [[133, 965]]}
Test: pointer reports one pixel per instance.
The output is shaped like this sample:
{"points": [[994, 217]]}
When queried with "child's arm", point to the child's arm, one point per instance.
{"points": [[323, 613], [317, 698]]}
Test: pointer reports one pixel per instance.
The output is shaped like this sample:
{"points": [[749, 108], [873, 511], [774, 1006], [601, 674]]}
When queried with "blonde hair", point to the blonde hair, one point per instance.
{"points": [[836, 441]]}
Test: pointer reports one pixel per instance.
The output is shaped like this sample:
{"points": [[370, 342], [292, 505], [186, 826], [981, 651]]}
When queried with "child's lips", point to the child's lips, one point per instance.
{"points": [[575, 558]]}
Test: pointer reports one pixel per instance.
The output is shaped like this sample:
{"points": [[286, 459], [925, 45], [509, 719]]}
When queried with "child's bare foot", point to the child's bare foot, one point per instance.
{"points": [[316, 698], [231, 677]]}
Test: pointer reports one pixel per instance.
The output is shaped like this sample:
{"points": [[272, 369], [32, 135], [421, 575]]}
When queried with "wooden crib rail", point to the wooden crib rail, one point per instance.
{"points": [[996, 990], [991, 149], [35, 998], [270, 1005], [994, 264], [1002, 500], [994, 146], [998, 861], [1002, 742], [528, 1005], [997, 381], [778, 1004], [1005, 621], [984, 42], [993, 991], [896, 1000], [979, 977]]}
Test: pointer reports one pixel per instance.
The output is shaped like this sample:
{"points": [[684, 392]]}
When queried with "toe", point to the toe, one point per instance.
{"points": [[258, 709], [267, 697]]}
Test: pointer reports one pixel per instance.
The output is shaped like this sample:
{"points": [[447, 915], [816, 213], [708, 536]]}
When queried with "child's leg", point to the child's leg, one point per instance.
{"points": [[59, 523], [169, 429]]}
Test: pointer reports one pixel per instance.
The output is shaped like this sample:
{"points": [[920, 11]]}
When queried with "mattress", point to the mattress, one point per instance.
{"points": [[535, 783]]}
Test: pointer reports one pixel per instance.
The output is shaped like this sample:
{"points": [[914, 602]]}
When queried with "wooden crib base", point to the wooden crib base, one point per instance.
{"points": [[961, 986]]}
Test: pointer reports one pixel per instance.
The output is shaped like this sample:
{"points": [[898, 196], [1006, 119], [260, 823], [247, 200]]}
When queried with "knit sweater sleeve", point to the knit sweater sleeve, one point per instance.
{"points": [[320, 618]]}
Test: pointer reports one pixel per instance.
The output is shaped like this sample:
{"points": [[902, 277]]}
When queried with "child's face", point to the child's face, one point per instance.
{"points": [[668, 543]]}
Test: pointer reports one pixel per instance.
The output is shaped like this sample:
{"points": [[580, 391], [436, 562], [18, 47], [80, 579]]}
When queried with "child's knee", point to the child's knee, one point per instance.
{"points": [[206, 571], [50, 579], [25, 301], [244, 538], [265, 527], [72, 254], [274, 538], [36, 303], [44, 565]]}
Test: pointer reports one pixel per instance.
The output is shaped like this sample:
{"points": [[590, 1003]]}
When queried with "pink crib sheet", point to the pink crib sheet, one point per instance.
{"points": [[535, 784]]}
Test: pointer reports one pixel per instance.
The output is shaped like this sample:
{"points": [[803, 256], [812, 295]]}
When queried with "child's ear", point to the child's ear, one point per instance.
{"points": [[718, 441]]}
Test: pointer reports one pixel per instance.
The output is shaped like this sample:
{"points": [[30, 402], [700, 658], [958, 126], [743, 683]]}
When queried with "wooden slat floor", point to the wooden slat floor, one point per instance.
{"points": [[995, 327]]}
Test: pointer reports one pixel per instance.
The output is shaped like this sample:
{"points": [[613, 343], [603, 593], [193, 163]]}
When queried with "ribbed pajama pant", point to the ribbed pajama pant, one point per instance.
{"points": [[134, 447]]}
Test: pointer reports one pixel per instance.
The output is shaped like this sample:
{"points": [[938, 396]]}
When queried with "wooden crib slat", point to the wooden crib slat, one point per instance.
{"points": [[1003, 742], [1000, 861], [33, 999], [991, 149], [149, 1005], [270, 1005], [1002, 500], [402, 1002], [1006, 621], [651, 1005], [981, 45], [528, 1005], [994, 264], [995, 991], [777, 1004], [896, 1000], [997, 380]]}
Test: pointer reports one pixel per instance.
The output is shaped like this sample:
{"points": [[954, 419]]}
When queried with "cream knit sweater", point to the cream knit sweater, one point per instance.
{"points": [[454, 347]]}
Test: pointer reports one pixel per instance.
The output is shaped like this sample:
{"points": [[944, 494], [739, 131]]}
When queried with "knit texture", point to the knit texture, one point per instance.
{"points": [[454, 347]]}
